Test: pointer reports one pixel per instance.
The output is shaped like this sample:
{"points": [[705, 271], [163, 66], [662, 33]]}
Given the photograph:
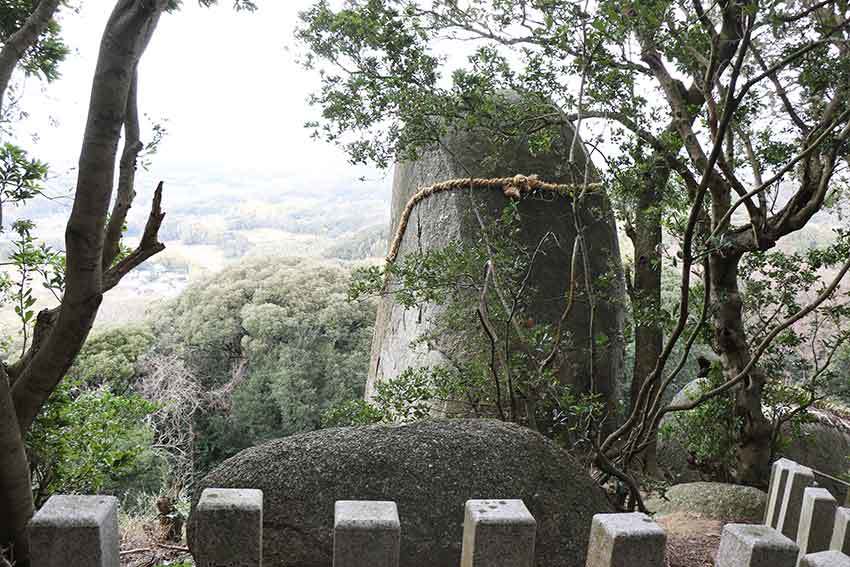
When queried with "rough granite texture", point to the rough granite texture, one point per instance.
{"points": [[825, 559], [626, 540], [430, 469], [366, 533], [745, 545], [799, 479], [231, 528], [498, 533], [817, 519], [840, 540], [776, 490], [449, 217], [713, 500], [75, 530]]}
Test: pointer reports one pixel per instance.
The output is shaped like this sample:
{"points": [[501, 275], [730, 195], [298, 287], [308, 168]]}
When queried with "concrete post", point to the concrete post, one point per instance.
{"points": [[366, 534], [498, 533], [75, 530], [229, 528], [817, 518], [745, 545], [776, 490], [799, 479], [825, 559], [626, 540], [840, 540]]}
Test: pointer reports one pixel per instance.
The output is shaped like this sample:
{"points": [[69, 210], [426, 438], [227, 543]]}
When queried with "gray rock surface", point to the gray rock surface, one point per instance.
{"points": [[229, 528], [817, 519], [712, 500], [449, 217], [75, 530], [366, 532], [840, 540], [825, 559], [823, 446], [430, 469], [755, 546], [626, 540], [498, 533]]}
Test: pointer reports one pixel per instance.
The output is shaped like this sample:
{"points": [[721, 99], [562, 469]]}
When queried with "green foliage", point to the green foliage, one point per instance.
{"points": [[506, 378], [351, 413], [111, 358], [86, 441], [283, 329], [44, 57], [29, 260], [778, 284], [708, 432], [21, 177]]}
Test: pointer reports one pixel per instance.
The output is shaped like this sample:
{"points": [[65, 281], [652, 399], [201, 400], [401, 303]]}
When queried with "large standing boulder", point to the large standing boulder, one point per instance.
{"points": [[429, 468], [450, 217]]}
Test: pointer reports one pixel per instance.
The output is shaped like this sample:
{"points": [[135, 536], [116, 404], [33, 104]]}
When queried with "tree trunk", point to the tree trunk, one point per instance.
{"points": [[15, 493], [124, 40], [646, 292], [753, 458]]}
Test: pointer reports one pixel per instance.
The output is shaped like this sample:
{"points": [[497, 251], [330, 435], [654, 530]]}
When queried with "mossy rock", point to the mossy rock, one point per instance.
{"points": [[430, 469], [712, 500]]}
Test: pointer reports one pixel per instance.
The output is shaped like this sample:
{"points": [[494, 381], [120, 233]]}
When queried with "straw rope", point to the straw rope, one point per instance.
{"points": [[513, 187]]}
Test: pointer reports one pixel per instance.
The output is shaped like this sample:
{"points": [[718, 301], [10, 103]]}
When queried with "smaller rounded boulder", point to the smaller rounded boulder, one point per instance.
{"points": [[430, 469], [712, 500]]}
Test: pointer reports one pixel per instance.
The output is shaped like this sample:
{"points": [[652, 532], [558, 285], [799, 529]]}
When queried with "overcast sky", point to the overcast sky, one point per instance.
{"points": [[227, 85]]}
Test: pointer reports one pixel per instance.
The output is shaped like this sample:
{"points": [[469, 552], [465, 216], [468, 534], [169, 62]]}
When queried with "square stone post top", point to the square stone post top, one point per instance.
{"points": [[841, 531], [366, 515], [746, 545], [75, 530], [776, 490], [229, 528], [626, 540], [231, 499], [799, 479], [825, 559], [817, 519], [498, 533], [366, 534]]}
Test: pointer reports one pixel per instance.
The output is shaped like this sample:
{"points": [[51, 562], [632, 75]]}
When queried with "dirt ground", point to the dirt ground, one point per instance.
{"points": [[692, 541]]}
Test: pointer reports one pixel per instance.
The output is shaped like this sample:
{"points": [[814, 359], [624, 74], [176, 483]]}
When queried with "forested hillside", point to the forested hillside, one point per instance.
{"points": [[260, 351], [612, 233]]}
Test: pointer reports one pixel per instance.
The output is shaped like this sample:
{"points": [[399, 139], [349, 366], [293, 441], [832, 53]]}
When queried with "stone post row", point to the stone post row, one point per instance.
{"points": [[817, 518], [799, 479], [366, 533], [498, 533], [75, 530], [229, 528], [626, 540], [747, 545]]}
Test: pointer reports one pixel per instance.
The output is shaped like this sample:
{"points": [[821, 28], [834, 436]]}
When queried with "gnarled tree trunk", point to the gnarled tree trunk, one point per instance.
{"points": [[26, 384], [753, 462]]}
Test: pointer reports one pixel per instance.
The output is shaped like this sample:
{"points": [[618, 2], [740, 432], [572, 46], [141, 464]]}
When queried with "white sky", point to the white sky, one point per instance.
{"points": [[229, 87]]}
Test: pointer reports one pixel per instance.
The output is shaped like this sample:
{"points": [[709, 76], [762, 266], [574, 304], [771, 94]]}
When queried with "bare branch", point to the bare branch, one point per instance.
{"points": [[763, 346], [149, 245]]}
